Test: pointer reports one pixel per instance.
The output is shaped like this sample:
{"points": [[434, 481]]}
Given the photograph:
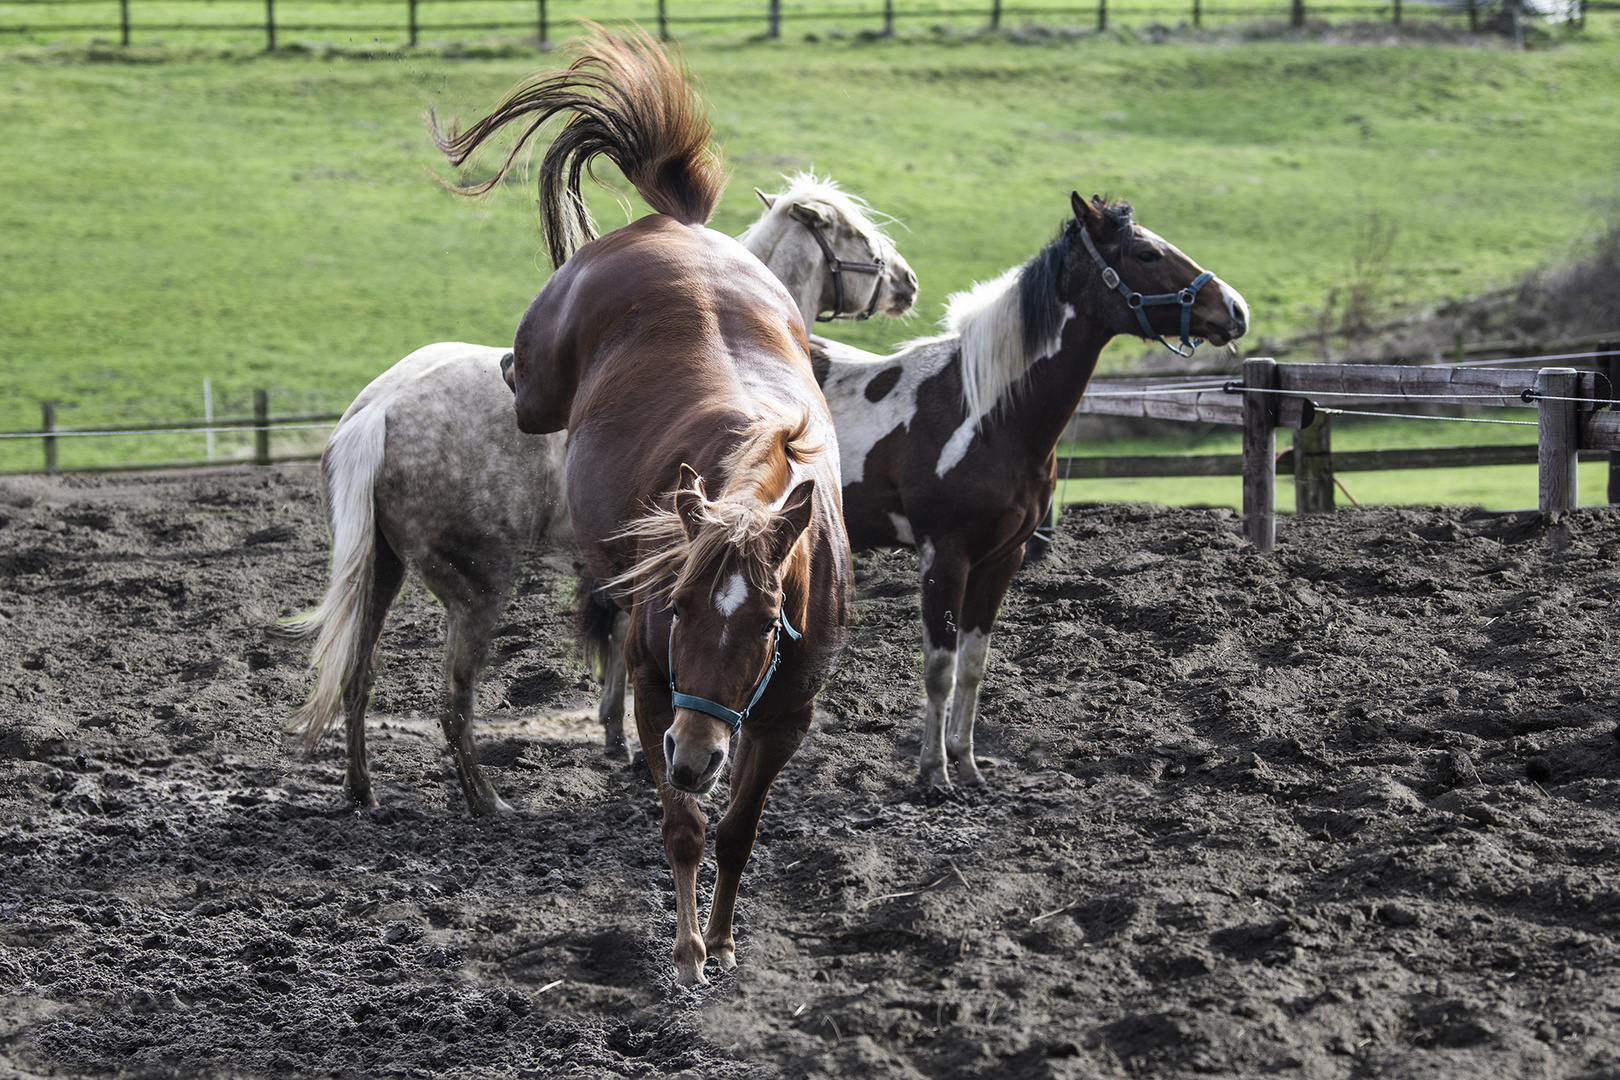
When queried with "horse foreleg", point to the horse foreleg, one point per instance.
{"points": [[683, 830], [944, 582], [983, 601], [466, 652], [759, 758], [611, 711], [387, 574]]}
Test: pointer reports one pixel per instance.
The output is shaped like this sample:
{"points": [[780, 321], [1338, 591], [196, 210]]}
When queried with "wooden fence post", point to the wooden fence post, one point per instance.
{"points": [[1608, 362], [544, 29], [1260, 453], [663, 22], [888, 18], [411, 7], [1557, 441], [123, 21], [995, 15], [261, 427], [1198, 14], [773, 21], [1473, 16], [1313, 467], [1397, 13], [1102, 15], [48, 408], [1297, 16], [270, 25]]}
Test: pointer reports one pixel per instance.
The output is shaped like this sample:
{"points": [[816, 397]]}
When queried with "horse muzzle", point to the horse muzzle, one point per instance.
{"points": [[695, 752], [1219, 332]]}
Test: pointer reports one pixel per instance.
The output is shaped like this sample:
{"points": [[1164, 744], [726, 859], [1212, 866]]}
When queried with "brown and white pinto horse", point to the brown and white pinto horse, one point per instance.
{"points": [[680, 367], [950, 444]]}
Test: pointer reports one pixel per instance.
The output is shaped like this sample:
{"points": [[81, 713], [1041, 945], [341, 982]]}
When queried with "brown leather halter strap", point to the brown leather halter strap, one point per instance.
{"points": [[836, 267]]}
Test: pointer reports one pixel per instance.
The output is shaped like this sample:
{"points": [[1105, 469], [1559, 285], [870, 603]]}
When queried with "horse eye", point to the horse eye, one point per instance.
{"points": [[1148, 256], [765, 633], [674, 609]]}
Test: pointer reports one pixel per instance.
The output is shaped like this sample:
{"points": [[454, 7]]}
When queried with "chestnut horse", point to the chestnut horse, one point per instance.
{"points": [[680, 367], [428, 469], [949, 445]]}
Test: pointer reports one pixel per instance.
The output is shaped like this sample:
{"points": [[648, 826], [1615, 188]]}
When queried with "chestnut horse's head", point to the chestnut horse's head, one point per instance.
{"points": [[1159, 293], [733, 577]]}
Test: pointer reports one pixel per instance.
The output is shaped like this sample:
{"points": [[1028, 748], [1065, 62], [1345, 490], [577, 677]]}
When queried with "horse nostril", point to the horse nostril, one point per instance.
{"points": [[714, 762], [669, 749]]}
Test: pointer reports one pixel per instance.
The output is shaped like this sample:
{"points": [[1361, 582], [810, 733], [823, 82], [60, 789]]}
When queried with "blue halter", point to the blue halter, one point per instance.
{"points": [[1137, 301], [714, 708]]}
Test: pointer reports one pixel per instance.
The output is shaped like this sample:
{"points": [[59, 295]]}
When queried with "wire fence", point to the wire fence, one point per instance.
{"points": [[411, 22]]}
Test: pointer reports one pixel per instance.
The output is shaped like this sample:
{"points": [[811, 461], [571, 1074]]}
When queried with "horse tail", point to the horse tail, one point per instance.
{"points": [[632, 103], [595, 613], [353, 456]]}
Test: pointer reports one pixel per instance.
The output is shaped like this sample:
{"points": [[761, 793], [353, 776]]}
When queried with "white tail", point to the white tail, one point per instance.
{"points": [[353, 455]]}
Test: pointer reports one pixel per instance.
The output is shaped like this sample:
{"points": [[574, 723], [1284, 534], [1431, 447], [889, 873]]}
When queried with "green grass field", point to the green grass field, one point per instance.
{"points": [[272, 221]]}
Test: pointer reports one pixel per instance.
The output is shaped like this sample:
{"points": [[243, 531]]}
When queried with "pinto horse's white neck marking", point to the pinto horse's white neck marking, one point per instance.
{"points": [[956, 447], [730, 598]]}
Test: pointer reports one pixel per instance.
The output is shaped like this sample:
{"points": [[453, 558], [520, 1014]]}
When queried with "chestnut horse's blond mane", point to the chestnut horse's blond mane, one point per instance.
{"points": [[733, 530]]}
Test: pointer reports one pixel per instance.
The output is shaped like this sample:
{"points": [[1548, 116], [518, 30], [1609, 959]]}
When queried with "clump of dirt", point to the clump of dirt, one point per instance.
{"points": [[1349, 809]]}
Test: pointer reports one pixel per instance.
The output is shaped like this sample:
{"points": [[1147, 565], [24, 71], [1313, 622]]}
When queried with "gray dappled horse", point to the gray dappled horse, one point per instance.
{"points": [[427, 469]]}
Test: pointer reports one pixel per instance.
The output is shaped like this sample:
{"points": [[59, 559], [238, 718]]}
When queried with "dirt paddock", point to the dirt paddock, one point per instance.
{"points": [[1349, 810]]}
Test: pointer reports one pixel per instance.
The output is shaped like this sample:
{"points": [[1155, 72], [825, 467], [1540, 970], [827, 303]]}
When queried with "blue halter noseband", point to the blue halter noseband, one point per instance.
{"points": [[714, 708], [1137, 301]]}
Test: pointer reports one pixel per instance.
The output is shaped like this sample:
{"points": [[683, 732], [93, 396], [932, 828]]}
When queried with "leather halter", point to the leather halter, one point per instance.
{"points": [[1137, 301], [714, 708], [836, 267]]}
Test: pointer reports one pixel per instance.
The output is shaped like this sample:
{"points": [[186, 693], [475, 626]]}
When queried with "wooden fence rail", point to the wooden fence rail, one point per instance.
{"points": [[543, 22], [262, 423], [1575, 414]]}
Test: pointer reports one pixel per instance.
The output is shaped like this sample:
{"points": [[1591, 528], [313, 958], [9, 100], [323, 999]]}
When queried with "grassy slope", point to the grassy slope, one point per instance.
{"points": [[270, 223]]}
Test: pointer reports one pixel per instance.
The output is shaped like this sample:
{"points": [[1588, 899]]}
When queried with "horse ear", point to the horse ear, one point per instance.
{"points": [[689, 499], [1084, 212], [768, 200], [793, 520], [810, 214]]}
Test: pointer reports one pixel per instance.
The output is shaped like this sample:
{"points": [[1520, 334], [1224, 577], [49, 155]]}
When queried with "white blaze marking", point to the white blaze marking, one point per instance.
{"points": [[902, 529], [730, 598]]}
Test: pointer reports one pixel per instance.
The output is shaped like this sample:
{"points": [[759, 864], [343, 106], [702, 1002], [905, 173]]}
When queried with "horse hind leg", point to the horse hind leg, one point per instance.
{"points": [[944, 579], [388, 573], [466, 653]]}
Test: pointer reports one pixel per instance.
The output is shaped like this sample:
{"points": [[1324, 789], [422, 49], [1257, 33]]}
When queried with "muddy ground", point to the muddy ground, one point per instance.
{"points": [[1350, 810]]}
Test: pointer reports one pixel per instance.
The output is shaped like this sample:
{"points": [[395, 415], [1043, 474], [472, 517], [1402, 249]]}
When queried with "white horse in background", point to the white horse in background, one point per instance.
{"points": [[428, 469]]}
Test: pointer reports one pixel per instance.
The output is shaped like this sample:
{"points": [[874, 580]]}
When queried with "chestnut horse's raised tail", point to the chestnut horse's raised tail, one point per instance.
{"points": [[631, 104]]}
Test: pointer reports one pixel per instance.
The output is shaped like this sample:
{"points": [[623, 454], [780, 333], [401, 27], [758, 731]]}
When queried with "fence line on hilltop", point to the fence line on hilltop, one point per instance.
{"points": [[770, 18]]}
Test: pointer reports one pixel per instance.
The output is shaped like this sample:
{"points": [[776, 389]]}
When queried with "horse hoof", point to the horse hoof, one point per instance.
{"points": [[364, 800], [494, 806], [688, 974]]}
